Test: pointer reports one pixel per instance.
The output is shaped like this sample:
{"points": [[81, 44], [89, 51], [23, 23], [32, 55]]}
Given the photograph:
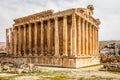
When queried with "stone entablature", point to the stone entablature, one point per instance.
{"points": [[67, 38], [49, 14]]}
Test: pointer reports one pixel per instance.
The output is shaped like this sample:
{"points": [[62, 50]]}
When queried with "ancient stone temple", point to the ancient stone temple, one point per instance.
{"points": [[66, 38]]}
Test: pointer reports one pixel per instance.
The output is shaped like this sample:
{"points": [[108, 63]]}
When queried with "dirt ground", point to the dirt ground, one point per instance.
{"points": [[73, 74]]}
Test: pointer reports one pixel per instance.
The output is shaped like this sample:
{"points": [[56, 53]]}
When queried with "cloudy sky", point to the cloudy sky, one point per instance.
{"points": [[108, 11]]}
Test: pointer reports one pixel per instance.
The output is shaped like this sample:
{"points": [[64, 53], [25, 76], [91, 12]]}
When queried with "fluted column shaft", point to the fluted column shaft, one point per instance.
{"points": [[65, 36], [74, 35], [56, 38]]}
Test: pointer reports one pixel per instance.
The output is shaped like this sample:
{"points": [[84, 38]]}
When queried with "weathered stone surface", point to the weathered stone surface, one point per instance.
{"points": [[19, 69], [67, 38], [110, 62]]}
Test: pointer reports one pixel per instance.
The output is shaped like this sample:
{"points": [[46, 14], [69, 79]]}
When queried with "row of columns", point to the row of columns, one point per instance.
{"points": [[83, 38]]}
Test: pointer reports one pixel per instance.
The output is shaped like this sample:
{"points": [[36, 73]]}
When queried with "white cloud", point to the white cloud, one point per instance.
{"points": [[107, 10]]}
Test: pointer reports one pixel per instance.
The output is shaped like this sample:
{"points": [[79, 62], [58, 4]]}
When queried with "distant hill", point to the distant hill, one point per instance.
{"points": [[102, 44], [109, 42]]}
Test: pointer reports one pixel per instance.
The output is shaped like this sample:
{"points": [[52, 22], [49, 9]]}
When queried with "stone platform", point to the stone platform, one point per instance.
{"points": [[69, 62]]}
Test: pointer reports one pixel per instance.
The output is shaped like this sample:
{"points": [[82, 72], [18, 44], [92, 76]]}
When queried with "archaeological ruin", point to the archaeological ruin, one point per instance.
{"points": [[66, 38]]}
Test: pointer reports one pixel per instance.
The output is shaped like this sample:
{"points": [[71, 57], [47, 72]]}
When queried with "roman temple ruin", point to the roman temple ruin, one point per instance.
{"points": [[66, 38]]}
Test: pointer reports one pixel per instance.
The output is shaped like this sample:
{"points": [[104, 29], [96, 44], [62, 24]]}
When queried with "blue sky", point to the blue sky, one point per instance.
{"points": [[108, 11]]}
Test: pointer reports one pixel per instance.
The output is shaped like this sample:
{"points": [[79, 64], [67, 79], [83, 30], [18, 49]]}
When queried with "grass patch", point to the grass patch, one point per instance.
{"points": [[91, 66], [96, 78], [4, 78], [59, 78], [58, 75], [114, 72], [8, 78]]}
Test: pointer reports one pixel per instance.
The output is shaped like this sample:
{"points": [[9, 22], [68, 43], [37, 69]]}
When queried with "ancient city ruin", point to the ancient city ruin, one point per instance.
{"points": [[66, 38]]}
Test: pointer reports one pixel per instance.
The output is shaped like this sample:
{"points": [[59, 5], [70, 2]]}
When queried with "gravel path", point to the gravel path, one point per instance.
{"points": [[85, 72], [27, 78], [73, 73]]}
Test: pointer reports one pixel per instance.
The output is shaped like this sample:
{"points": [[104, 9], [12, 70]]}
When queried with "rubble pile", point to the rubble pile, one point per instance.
{"points": [[12, 67], [110, 63]]}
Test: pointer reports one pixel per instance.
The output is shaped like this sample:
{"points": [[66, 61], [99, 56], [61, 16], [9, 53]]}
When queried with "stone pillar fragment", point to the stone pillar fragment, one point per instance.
{"points": [[65, 36]]}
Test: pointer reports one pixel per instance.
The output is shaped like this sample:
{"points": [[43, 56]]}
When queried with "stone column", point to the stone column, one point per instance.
{"points": [[11, 41], [42, 37], [36, 39], [65, 36], [15, 40], [56, 38], [86, 41], [83, 37], [7, 41], [79, 37], [91, 51], [70, 38], [30, 40], [74, 35], [93, 41], [25, 42], [97, 42], [14, 43], [48, 37], [19, 43]]}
